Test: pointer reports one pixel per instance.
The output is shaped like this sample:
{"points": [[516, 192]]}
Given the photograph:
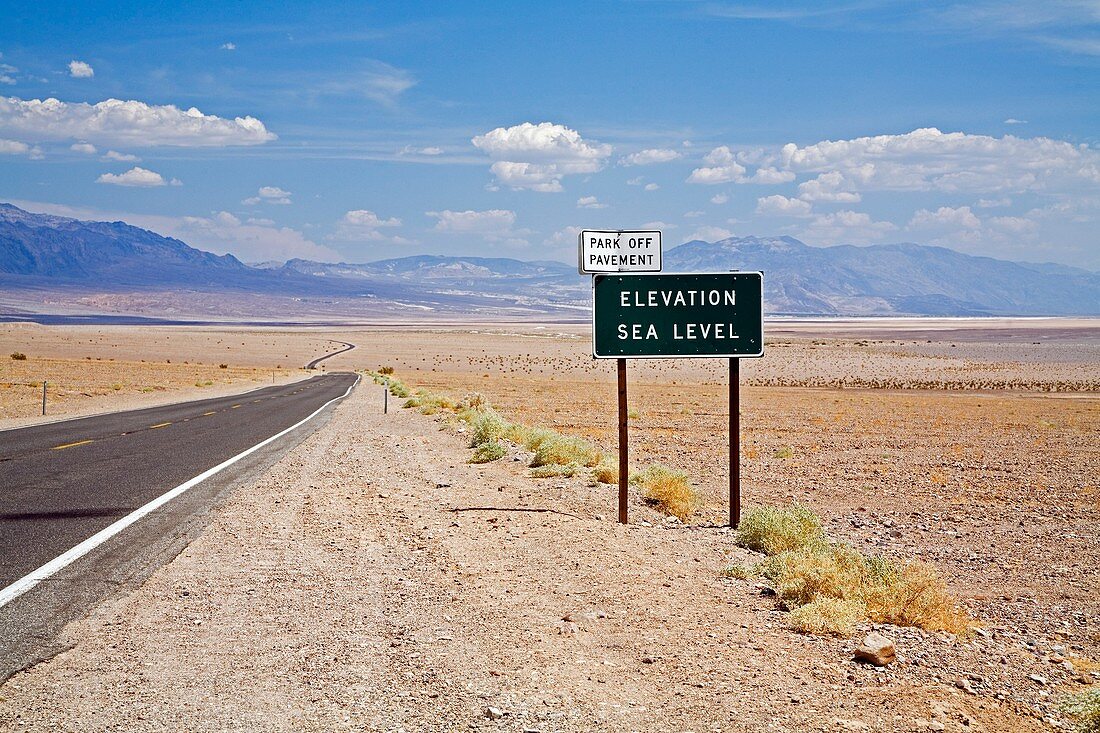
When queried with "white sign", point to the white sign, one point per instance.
{"points": [[619, 251]]}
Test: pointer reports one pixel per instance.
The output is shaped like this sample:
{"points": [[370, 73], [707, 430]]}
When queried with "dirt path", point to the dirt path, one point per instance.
{"points": [[341, 592]]}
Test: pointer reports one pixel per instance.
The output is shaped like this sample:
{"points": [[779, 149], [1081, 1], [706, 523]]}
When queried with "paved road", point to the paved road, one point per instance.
{"points": [[63, 482], [347, 347]]}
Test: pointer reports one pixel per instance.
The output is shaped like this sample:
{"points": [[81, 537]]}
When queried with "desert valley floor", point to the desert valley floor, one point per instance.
{"points": [[344, 591]]}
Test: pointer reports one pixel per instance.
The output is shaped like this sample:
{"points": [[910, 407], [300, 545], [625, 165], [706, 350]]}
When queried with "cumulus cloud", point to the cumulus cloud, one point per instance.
{"points": [[719, 198], [722, 167], [120, 157], [228, 46], [269, 195], [709, 234], [363, 224], [945, 216], [827, 187], [590, 202], [650, 187], [650, 156], [115, 121], [14, 147], [86, 148], [769, 176], [782, 206], [137, 177], [80, 70], [927, 159], [847, 226], [635, 181], [537, 157], [491, 224]]}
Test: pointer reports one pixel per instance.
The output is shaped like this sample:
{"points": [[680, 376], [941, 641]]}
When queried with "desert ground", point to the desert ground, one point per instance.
{"points": [[344, 590]]}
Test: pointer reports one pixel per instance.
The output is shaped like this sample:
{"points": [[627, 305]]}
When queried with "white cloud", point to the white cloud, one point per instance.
{"points": [[658, 225], [709, 234], [719, 198], [566, 236], [1018, 225], [590, 202], [363, 225], [114, 121], [782, 206], [722, 167], [827, 187], [994, 203], [650, 156], [491, 224], [847, 226], [769, 176], [120, 157], [80, 70], [228, 46], [537, 157], [14, 147], [635, 181], [137, 177], [6, 78], [927, 159], [650, 187], [945, 216], [269, 195], [86, 148], [429, 150], [1014, 121], [694, 214]]}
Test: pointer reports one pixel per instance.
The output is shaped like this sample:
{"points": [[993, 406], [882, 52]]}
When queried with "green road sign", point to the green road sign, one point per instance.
{"points": [[678, 316]]}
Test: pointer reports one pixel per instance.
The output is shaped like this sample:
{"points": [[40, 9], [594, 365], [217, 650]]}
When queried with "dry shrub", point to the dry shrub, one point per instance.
{"points": [[1085, 708], [772, 530], [554, 448], [385, 370], [18, 356], [473, 401], [669, 490], [488, 452], [606, 472], [530, 438], [810, 573], [827, 616], [553, 470], [917, 596]]}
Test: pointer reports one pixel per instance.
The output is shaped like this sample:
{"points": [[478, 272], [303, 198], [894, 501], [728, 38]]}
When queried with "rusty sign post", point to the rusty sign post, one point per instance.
{"points": [[676, 316]]}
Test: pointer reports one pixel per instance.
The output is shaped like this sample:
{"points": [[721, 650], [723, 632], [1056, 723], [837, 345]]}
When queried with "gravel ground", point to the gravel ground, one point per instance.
{"points": [[344, 591]]}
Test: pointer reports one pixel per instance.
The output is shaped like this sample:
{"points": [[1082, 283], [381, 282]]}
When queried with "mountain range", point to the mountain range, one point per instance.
{"points": [[50, 260]]}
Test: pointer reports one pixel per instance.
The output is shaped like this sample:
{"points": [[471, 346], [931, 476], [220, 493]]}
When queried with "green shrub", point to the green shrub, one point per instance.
{"points": [[1085, 708], [554, 470], [486, 426], [488, 452], [773, 530]]}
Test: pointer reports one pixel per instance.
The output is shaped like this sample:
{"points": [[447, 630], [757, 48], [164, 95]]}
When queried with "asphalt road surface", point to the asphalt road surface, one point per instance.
{"points": [[62, 482], [347, 347]]}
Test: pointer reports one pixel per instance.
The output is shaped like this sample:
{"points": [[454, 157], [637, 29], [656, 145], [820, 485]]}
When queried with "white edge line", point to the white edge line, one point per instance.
{"points": [[33, 578]]}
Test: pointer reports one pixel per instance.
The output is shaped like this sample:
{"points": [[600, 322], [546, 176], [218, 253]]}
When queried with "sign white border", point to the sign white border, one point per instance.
{"points": [[758, 273], [580, 251]]}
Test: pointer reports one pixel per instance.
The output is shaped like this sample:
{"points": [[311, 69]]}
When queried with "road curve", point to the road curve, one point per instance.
{"points": [[347, 347]]}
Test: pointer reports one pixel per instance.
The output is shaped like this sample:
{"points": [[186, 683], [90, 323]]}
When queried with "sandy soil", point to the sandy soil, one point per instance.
{"points": [[342, 591]]}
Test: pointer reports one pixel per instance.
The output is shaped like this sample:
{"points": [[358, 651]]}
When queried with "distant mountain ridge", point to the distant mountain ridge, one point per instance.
{"points": [[43, 254], [893, 278]]}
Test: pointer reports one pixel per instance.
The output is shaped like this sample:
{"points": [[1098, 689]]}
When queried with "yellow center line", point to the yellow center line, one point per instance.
{"points": [[159, 425], [234, 407], [70, 445], [212, 412]]}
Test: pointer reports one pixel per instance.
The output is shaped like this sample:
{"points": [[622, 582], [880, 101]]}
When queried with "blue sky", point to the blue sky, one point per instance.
{"points": [[367, 131]]}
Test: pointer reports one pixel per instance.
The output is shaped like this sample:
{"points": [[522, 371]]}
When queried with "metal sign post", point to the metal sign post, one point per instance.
{"points": [[696, 315]]}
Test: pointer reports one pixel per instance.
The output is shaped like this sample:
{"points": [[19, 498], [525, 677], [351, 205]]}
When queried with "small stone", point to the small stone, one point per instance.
{"points": [[876, 649], [850, 724], [578, 616], [1038, 679], [936, 725], [648, 660], [566, 628], [964, 685], [600, 517], [494, 713]]}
